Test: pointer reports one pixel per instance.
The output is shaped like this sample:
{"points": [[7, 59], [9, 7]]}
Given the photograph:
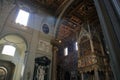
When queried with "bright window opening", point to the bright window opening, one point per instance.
{"points": [[22, 71], [76, 46], [9, 50], [22, 17], [66, 51]]}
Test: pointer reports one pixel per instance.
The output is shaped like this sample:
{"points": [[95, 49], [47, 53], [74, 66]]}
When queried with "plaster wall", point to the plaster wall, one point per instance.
{"points": [[31, 33]]}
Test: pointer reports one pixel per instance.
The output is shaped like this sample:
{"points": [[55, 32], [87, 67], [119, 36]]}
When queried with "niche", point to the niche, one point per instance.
{"points": [[41, 69]]}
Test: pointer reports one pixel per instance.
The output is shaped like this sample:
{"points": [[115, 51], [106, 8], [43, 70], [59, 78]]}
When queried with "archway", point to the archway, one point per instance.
{"points": [[19, 44], [41, 70], [7, 70]]}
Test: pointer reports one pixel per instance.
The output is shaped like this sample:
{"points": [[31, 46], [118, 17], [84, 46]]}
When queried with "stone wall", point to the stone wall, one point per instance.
{"points": [[33, 33]]}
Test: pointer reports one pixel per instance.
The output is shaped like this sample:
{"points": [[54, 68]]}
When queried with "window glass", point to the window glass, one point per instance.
{"points": [[9, 50], [66, 51], [22, 17], [76, 46]]}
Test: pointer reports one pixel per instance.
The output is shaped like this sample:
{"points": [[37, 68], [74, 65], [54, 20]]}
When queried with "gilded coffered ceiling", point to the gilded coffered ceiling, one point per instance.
{"points": [[78, 13]]}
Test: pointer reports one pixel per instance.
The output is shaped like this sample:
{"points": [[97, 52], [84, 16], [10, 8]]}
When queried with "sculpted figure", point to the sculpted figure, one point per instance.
{"points": [[40, 73]]}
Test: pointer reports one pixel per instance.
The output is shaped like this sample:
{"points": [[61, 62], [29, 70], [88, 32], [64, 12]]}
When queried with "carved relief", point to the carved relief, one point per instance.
{"points": [[44, 46]]}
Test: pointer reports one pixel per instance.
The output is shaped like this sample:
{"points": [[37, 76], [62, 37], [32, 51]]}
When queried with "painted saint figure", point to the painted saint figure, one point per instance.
{"points": [[40, 73]]}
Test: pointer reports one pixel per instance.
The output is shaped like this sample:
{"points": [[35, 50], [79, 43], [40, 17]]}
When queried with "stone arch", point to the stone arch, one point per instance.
{"points": [[19, 59], [83, 33], [19, 35], [7, 70]]}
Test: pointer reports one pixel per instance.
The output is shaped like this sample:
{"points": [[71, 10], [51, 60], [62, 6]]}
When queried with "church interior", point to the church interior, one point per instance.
{"points": [[59, 39]]}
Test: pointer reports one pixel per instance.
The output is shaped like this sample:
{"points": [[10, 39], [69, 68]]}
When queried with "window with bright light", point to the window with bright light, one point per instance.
{"points": [[66, 51], [22, 17], [22, 71], [76, 46], [9, 50]]}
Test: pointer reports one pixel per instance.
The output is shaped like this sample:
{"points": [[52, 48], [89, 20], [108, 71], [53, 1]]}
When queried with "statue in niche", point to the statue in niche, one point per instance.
{"points": [[40, 73], [41, 70]]}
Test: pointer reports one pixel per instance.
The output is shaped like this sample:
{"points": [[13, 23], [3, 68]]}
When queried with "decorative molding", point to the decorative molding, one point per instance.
{"points": [[44, 46]]}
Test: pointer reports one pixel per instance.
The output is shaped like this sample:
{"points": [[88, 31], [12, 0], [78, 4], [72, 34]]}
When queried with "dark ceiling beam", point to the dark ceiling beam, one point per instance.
{"points": [[76, 8], [61, 7]]}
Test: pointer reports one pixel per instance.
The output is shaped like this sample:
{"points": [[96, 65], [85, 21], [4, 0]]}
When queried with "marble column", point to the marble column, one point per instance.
{"points": [[96, 74], [82, 76], [110, 25], [54, 67], [107, 75]]}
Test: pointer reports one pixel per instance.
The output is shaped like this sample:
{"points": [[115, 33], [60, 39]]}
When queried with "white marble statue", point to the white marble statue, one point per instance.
{"points": [[40, 73]]}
